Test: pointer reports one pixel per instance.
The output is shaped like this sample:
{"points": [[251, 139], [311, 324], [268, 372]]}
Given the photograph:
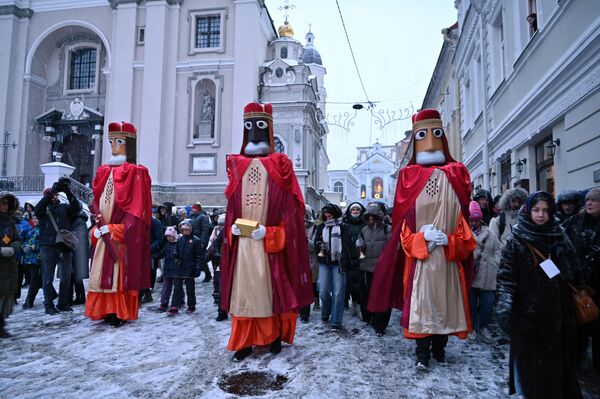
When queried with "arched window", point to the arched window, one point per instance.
{"points": [[279, 147], [377, 188], [363, 191], [284, 52], [82, 69], [338, 187]]}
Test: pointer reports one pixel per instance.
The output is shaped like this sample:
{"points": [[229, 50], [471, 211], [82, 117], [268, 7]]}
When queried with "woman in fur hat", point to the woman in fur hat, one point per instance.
{"points": [[10, 245]]}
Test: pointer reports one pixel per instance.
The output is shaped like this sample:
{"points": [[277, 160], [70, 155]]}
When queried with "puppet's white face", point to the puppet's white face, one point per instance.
{"points": [[260, 148], [430, 157]]}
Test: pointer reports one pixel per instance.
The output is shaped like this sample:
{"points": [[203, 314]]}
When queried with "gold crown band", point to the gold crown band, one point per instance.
{"points": [[428, 123], [265, 115], [121, 134]]}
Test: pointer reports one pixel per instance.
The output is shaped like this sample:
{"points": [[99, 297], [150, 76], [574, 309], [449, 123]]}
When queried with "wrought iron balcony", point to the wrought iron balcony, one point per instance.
{"points": [[20, 184]]}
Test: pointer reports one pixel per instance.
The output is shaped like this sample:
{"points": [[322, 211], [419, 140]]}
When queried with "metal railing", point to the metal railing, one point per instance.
{"points": [[19, 184], [82, 192]]}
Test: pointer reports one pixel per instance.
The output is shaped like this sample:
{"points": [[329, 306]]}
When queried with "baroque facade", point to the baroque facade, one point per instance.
{"points": [[519, 81], [180, 70]]}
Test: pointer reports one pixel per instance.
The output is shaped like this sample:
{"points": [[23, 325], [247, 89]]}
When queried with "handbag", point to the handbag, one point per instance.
{"points": [[585, 307], [64, 238]]}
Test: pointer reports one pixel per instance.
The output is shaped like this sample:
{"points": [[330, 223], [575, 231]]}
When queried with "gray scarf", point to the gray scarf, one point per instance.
{"points": [[333, 239]]}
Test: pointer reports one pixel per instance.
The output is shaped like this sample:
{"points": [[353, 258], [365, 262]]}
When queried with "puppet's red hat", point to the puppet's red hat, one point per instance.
{"points": [[121, 129], [258, 110]]}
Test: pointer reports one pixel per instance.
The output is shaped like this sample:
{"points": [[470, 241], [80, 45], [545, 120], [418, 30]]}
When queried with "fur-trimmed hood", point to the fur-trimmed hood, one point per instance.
{"points": [[13, 202], [510, 194]]}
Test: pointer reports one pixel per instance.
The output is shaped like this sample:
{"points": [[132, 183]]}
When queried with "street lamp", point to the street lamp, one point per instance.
{"points": [[520, 164], [551, 147]]}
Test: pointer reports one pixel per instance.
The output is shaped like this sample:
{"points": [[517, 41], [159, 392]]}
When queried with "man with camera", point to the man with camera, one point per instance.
{"points": [[53, 217]]}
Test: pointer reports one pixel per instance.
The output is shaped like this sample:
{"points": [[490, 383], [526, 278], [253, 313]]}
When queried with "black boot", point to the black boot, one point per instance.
{"points": [[242, 354], [3, 332], [222, 315], [276, 346], [51, 310], [79, 299]]}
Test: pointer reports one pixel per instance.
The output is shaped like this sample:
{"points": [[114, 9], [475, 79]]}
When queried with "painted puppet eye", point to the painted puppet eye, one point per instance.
{"points": [[120, 141], [438, 133], [110, 141], [261, 124], [420, 135], [248, 125]]}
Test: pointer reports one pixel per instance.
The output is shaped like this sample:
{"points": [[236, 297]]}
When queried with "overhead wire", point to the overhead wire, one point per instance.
{"points": [[352, 53]]}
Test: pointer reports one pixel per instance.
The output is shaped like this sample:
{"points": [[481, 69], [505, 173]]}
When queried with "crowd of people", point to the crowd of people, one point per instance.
{"points": [[453, 263]]}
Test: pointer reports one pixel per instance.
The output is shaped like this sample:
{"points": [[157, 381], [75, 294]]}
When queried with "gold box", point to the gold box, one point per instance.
{"points": [[246, 226]]}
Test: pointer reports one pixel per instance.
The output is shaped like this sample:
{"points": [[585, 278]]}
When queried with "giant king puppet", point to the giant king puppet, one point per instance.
{"points": [[265, 270], [121, 238], [425, 269]]}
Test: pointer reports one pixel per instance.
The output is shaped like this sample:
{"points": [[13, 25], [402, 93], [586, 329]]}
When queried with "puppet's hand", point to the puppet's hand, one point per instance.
{"points": [[431, 246], [97, 233], [430, 234], [104, 230], [259, 233], [440, 239], [235, 230]]}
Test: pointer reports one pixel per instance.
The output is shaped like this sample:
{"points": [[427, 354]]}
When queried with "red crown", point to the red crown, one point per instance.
{"points": [[122, 129], [258, 110], [426, 114]]}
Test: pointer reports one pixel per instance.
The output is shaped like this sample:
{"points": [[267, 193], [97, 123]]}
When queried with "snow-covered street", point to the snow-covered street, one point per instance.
{"points": [[184, 356]]}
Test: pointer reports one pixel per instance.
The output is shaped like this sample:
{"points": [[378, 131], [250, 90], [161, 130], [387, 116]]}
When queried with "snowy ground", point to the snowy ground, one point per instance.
{"points": [[69, 356]]}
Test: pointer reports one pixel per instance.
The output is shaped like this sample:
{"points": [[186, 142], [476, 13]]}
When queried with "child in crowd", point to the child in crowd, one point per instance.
{"points": [[169, 253], [31, 261], [214, 254], [187, 267]]}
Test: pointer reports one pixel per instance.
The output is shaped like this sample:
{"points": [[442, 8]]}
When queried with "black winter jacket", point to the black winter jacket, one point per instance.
{"points": [[201, 228], [63, 214]]}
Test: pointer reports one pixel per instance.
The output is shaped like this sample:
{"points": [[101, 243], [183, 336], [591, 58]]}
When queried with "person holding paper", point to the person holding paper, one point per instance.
{"points": [[265, 271], [535, 305]]}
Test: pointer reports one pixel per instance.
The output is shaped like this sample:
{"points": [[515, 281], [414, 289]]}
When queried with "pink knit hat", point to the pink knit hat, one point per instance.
{"points": [[171, 232], [475, 211]]}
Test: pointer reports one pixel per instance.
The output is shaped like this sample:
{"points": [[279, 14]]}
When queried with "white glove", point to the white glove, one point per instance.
{"points": [[97, 233], [359, 242], [7, 251], [440, 238], [235, 230], [430, 234], [431, 246], [259, 233]]}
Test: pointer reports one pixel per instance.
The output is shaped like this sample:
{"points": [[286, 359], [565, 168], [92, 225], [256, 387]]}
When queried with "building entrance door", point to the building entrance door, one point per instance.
{"points": [[77, 152]]}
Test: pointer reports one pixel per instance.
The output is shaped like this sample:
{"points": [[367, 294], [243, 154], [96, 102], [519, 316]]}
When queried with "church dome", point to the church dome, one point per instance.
{"points": [[286, 30], [310, 55]]}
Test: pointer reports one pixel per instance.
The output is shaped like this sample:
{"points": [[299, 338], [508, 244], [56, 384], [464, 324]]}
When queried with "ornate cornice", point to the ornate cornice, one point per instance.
{"points": [[16, 11]]}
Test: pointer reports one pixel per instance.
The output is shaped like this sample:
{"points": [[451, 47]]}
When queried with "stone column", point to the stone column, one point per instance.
{"points": [[55, 170]]}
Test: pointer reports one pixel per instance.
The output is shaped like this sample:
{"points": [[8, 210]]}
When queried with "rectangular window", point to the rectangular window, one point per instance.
{"points": [[82, 71], [141, 35], [208, 31]]}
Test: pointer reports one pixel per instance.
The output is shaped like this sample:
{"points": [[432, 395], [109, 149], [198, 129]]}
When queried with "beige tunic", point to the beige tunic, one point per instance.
{"points": [[436, 300], [252, 293], [107, 203]]}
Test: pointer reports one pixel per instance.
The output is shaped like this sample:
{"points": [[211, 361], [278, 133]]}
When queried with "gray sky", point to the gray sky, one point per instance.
{"points": [[396, 43]]}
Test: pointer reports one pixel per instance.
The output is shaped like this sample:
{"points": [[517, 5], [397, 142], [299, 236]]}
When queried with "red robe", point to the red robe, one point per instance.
{"points": [[388, 288], [130, 230], [290, 271]]}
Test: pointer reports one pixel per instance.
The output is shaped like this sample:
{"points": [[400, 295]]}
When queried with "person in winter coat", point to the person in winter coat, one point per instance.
{"points": [[169, 253], [370, 242], [311, 233], [353, 218], [81, 259], [483, 289], [583, 229], [331, 258], [165, 215], [509, 204], [9, 269], [486, 203], [23, 228], [31, 260], [50, 251], [214, 255], [157, 241], [28, 213], [536, 310], [201, 228], [568, 203], [187, 267]]}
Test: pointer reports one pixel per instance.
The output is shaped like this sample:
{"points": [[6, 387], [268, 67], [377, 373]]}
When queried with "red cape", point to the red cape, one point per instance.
{"points": [[133, 208], [290, 270], [387, 285]]}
